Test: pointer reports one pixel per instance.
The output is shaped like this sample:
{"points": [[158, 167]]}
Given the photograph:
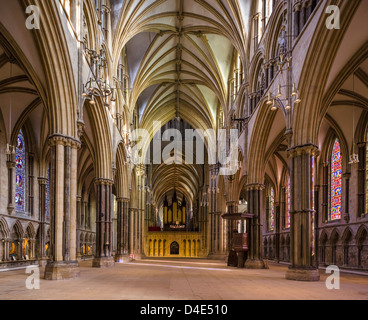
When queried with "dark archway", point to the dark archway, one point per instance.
{"points": [[174, 248]]}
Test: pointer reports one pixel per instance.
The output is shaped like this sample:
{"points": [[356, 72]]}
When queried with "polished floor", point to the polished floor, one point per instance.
{"points": [[152, 279]]}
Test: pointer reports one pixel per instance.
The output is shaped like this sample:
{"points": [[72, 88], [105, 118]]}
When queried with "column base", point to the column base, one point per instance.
{"points": [[103, 262], [302, 274], [122, 258], [255, 264], [43, 262], [62, 270]]}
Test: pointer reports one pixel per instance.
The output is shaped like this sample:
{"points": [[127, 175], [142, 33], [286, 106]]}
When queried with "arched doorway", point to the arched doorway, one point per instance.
{"points": [[174, 248]]}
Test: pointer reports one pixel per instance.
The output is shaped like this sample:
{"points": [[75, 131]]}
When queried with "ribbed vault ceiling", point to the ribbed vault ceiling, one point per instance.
{"points": [[179, 56]]}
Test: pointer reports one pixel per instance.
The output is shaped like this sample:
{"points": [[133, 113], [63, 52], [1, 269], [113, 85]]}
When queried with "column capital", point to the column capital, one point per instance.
{"points": [[254, 186], [307, 3], [42, 181], [104, 181], [361, 144], [346, 175], [297, 6], [10, 164], [296, 151], [123, 200], [60, 139]]}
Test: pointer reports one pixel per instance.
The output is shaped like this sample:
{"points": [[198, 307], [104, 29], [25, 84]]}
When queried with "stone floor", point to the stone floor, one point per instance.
{"points": [[153, 279]]}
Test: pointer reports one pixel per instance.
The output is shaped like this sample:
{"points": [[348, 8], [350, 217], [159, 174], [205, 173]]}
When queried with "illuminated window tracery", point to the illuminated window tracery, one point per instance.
{"points": [[20, 173], [271, 226], [336, 180]]}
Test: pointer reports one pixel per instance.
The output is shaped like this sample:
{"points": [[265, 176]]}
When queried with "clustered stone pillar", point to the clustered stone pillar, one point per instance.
{"points": [[42, 183], [255, 196], [301, 212], [63, 196], [104, 214], [122, 252], [79, 209], [5, 243]]}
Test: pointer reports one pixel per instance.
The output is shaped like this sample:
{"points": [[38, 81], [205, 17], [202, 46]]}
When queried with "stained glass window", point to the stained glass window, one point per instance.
{"points": [[336, 179], [20, 171], [272, 210]]}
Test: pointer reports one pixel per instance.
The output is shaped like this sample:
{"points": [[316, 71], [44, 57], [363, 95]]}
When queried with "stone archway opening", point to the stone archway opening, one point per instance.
{"points": [[174, 248]]}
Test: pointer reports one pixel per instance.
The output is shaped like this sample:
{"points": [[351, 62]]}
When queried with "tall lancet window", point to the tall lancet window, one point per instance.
{"points": [[271, 218], [336, 181], [20, 162]]}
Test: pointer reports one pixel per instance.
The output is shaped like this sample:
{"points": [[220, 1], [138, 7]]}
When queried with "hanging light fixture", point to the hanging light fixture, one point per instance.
{"points": [[290, 97], [288, 106], [274, 108], [97, 84]]}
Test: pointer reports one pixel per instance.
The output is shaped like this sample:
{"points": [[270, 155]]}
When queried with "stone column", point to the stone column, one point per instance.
{"points": [[86, 219], [73, 202], [132, 231], [317, 224], [122, 251], [79, 211], [255, 202], [42, 183], [6, 250], [63, 166], [11, 169], [277, 231], [19, 249], [346, 181], [309, 8], [361, 184], [297, 10], [104, 211], [301, 212], [267, 75], [82, 214], [32, 249]]}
